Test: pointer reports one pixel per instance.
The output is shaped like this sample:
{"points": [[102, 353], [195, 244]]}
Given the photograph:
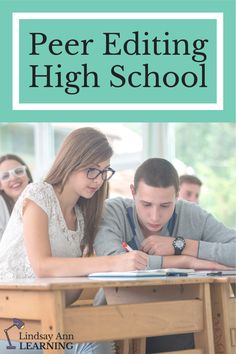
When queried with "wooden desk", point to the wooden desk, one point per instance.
{"points": [[40, 303]]}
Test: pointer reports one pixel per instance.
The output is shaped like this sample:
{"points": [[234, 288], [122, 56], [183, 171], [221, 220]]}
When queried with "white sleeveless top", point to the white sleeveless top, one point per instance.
{"points": [[14, 262]]}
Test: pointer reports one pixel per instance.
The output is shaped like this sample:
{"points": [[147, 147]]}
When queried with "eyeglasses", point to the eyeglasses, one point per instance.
{"points": [[107, 173], [15, 172]]}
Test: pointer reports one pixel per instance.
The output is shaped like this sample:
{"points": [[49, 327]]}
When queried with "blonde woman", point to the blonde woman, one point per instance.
{"points": [[14, 177], [53, 225]]}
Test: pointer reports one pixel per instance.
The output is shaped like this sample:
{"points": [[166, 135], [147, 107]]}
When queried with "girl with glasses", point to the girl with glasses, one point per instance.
{"points": [[53, 227], [14, 177]]}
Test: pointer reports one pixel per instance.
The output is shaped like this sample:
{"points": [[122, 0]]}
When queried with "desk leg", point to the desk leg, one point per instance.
{"points": [[132, 346], [123, 346], [220, 293], [137, 346], [205, 339], [53, 303]]}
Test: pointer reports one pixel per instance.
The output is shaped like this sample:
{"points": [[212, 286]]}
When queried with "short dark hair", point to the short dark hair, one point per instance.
{"points": [[157, 172], [189, 179]]}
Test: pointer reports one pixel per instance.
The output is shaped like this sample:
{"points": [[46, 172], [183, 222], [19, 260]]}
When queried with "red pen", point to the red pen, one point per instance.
{"points": [[126, 247]]}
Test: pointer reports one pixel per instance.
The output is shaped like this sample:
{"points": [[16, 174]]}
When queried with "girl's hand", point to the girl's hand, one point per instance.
{"points": [[135, 260]]}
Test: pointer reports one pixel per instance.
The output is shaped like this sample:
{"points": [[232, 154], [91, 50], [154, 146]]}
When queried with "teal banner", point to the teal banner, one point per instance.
{"points": [[100, 58], [110, 63]]}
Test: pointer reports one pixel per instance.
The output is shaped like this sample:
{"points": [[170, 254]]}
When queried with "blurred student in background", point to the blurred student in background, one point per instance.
{"points": [[14, 177], [189, 188]]}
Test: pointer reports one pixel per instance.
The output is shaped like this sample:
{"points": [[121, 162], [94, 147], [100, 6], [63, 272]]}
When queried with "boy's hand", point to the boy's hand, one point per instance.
{"points": [[163, 246], [158, 245]]}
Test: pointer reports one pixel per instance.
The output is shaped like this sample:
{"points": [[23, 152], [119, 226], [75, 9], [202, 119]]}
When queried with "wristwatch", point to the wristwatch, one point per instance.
{"points": [[179, 243]]}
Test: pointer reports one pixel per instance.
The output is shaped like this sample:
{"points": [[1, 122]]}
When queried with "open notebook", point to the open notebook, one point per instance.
{"points": [[162, 273], [144, 273]]}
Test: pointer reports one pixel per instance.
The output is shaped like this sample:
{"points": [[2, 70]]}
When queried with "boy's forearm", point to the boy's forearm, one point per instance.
{"points": [[176, 261], [184, 261], [191, 248]]}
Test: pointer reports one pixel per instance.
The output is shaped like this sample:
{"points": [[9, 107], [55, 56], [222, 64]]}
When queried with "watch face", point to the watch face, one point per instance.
{"points": [[179, 243]]}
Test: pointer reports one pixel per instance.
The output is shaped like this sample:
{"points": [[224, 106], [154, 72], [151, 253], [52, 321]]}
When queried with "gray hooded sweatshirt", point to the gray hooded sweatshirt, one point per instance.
{"points": [[119, 223]]}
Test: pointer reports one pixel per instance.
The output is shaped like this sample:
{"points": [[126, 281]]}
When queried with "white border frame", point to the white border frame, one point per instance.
{"points": [[16, 105]]}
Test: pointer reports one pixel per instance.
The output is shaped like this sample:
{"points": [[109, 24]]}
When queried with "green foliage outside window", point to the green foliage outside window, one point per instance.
{"points": [[210, 149]]}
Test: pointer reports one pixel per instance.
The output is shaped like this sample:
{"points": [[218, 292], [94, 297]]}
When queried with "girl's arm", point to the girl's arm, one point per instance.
{"points": [[36, 238]]}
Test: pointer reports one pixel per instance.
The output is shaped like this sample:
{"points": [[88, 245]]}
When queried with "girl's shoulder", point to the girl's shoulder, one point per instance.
{"points": [[42, 193], [38, 188]]}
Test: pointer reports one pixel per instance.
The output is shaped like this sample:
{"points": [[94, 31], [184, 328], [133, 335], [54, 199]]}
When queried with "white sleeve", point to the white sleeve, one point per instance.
{"points": [[4, 216], [40, 193]]}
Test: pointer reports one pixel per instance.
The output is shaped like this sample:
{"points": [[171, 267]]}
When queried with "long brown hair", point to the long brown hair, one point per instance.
{"points": [[9, 202], [81, 149]]}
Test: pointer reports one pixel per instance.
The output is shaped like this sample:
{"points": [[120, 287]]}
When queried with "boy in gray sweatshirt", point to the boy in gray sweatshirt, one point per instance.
{"points": [[174, 233]]}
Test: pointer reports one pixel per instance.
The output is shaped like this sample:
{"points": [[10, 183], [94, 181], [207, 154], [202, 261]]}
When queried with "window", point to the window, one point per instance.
{"points": [[205, 149], [18, 138]]}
